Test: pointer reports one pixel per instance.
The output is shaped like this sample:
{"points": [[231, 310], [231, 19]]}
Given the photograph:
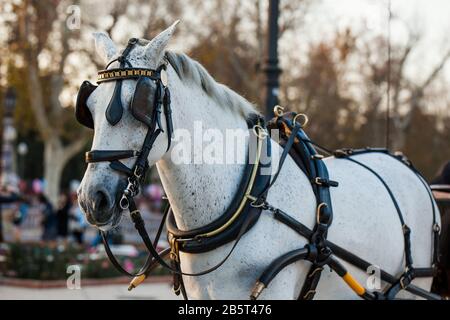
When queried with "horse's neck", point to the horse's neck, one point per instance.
{"points": [[199, 193]]}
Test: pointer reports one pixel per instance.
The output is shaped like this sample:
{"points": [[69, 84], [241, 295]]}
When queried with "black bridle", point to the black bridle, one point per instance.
{"points": [[139, 106], [145, 78]]}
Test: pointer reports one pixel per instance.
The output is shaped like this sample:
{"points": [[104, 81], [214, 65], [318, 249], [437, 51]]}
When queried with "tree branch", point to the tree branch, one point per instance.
{"points": [[74, 147], [37, 101], [435, 72], [119, 9]]}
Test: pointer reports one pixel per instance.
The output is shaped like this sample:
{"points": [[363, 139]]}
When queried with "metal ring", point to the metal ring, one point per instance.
{"points": [[124, 203], [254, 204], [305, 119], [262, 133], [436, 228], [278, 110]]}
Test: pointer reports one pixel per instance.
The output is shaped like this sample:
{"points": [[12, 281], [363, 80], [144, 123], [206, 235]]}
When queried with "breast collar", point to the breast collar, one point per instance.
{"points": [[227, 227]]}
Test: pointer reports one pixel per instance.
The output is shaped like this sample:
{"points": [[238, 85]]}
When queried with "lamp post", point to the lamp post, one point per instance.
{"points": [[272, 69], [9, 135]]}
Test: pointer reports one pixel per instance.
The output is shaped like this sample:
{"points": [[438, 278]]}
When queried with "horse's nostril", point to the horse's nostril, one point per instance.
{"points": [[101, 201]]}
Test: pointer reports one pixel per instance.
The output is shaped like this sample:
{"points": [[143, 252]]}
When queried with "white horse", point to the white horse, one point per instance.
{"points": [[365, 220]]}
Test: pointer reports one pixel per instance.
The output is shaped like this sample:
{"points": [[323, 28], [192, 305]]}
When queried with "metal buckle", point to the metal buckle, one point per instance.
{"points": [[319, 269], [310, 292], [137, 174], [318, 181], [319, 207], [402, 284], [173, 249]]}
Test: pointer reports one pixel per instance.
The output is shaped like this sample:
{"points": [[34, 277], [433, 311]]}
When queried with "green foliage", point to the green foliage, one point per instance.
{"points": [[50, 262]]}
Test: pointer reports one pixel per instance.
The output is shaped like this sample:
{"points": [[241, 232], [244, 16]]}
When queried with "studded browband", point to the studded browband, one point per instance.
{"points": [[124, 73]]}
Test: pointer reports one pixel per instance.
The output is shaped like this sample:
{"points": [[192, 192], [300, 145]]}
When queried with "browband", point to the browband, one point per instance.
{"points": [[125, 73]]}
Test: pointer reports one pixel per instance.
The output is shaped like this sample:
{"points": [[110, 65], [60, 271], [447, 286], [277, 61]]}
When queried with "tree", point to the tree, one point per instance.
{"points": [[231, 40], [38, 33], [408, 94], [44, 56], [341, 84], [321, 90]]}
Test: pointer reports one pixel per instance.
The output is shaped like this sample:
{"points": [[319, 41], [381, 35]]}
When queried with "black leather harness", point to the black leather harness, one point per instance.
{"points": [[151, 95], [320, 251]]}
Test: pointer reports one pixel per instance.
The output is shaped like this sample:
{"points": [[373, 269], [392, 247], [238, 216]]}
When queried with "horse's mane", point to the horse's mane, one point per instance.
{"points": [[189, 69]]}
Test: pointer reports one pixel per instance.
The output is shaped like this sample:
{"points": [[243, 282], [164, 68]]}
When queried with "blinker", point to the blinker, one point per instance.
{"points": [[114, 111]]}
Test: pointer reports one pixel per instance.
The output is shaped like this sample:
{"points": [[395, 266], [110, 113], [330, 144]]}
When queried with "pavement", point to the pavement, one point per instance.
{"points": [[146, 291]]}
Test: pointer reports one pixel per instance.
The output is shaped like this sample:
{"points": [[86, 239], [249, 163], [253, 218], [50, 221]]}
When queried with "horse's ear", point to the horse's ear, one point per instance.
{"points": [[154, 50], [104, 46]]}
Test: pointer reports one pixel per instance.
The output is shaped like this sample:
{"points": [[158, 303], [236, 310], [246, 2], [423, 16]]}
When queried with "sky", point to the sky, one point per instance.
{"points": [[430, 17]]}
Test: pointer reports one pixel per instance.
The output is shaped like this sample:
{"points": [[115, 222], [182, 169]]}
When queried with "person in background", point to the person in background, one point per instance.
{"points": [[155, 193], [6, 198], [19, 216], [62, 216], [49, 221], [77, 223]]}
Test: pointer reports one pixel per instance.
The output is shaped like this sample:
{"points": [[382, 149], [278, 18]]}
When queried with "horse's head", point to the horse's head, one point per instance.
{"points": [[121, 112]]}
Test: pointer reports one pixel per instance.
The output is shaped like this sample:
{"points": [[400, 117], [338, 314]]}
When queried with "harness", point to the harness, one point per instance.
{"points": [[320, 251], [150, 97]]}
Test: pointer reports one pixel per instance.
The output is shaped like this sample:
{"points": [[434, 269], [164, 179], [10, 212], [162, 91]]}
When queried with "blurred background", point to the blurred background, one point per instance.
{"points": [[366, 72]]}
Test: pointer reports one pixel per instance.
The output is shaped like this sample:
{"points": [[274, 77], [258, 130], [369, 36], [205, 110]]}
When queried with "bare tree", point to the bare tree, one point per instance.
{"points": [[407, 94], [40, 37]]}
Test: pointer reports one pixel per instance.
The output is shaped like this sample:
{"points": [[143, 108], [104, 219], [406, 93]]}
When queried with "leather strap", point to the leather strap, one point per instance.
{"points": [[109, 155], [140, 227]]}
